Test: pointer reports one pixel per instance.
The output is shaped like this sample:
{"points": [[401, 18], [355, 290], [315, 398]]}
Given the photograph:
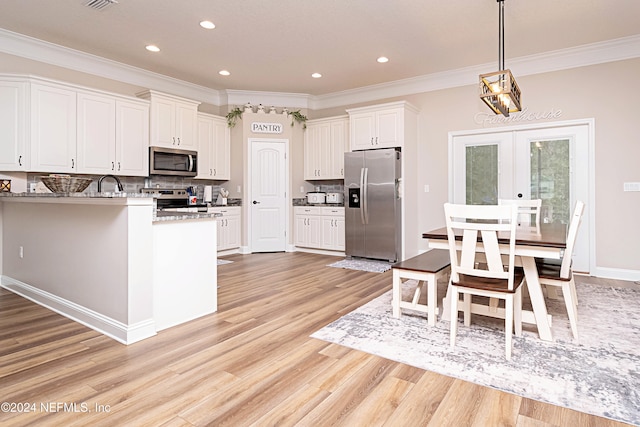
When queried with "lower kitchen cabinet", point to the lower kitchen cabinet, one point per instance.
{"points": [[307, 227], [228, 227], [319, 227], [333, 229]]}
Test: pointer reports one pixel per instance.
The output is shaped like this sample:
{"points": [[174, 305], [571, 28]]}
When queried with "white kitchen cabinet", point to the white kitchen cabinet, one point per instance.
{"points": [[308, 223], [325, 142], [13, 122], [53, 128], [113, 135], [132, 138], [214, 144], [319, 227], [379, 126], [173, 122], [229, 227], [333, 228]]}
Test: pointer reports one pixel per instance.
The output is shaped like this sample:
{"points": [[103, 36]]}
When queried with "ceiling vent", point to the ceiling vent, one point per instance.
{"points": [[99, 4]]}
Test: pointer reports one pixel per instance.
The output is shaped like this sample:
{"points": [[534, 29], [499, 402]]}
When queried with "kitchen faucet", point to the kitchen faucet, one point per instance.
{"points": [[112, 176]]}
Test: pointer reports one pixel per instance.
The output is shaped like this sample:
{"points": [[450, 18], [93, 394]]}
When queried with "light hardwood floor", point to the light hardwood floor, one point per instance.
{"points": [[250, 364]]}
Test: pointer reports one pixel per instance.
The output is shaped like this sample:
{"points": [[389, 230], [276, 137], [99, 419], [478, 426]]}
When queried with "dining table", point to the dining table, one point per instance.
{"points": [[547, 241]]}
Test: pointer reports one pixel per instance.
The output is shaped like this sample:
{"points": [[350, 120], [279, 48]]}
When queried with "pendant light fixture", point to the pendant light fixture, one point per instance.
{"points": [[499, 89]]}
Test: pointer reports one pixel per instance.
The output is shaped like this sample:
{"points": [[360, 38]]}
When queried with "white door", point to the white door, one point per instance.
{"points": [[547, 163], [269, 183]]}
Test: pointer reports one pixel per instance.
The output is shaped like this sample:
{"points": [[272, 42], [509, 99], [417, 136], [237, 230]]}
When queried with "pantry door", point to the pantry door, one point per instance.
{"points": [[551, 164], [268, 175]]}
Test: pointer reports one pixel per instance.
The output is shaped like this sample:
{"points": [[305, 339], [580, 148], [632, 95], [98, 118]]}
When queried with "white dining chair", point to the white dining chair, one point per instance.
{"points": [[527, 209], [478, 227], [560, 274]]}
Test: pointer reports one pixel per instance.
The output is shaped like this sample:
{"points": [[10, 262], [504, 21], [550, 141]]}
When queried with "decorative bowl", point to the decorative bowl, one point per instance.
{"points": [[66, 184]]}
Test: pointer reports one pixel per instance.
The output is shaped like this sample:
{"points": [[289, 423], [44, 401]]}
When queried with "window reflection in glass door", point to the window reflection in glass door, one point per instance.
{"points": [[551, 178]]}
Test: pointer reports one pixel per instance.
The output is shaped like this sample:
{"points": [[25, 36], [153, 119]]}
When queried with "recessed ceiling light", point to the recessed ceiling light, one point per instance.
{"points": [[316, 75], [152, 48], [382, 59], [224, 73], [208, 25]]}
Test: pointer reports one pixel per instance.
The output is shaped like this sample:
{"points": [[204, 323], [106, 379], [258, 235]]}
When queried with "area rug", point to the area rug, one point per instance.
{"points": [[371, 266], [599, 374]]}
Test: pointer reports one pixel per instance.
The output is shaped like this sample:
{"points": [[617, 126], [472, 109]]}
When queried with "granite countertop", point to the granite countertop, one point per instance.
{"points": [[94, 195], [179, 216]]}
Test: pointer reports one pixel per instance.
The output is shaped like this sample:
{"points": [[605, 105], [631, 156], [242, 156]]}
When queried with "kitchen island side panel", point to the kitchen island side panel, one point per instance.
{"points": [[89, 260], [184, 270]]}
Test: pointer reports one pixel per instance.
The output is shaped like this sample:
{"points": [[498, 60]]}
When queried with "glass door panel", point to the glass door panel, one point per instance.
{"points": [[480, 165], [550, 166], [481, 170]]}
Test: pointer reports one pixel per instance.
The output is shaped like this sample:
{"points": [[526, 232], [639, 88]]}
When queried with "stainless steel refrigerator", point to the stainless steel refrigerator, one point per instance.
{"points": [[372, 204]]}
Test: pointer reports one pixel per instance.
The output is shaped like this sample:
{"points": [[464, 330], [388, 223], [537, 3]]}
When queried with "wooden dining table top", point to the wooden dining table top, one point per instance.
{"points": [[550, 235]]}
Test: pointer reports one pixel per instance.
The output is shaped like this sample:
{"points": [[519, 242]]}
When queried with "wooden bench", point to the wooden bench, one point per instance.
{"points": [[426, 268]]}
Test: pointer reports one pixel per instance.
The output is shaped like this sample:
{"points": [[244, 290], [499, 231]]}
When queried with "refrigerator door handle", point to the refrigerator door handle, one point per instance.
{"points": [[365, 197], [361, 195]]}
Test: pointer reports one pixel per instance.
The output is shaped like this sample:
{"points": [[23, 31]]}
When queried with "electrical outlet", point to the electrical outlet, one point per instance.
{"points": [[239, 188], [21, 252], [631, 186], [426, 188]]}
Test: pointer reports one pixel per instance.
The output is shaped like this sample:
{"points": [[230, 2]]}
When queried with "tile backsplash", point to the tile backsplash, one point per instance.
{"points": [[133, 184]]}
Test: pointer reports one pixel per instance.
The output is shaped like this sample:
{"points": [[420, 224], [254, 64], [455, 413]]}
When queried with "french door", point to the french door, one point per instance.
{"points": [[551, 164]]}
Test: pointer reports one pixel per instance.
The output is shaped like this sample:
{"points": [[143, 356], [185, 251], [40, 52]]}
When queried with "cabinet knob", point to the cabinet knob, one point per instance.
{"points": [[255, 202]]}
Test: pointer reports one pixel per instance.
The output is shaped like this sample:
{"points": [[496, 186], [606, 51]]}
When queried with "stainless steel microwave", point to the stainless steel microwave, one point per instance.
{"points": [[170, 161]]}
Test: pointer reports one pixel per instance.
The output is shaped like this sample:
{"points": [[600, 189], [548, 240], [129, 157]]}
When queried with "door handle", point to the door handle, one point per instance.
{"points": [[255, 202]]}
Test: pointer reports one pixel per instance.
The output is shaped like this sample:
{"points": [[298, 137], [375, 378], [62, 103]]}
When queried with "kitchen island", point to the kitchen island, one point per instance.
{"points": [[108, 261]]}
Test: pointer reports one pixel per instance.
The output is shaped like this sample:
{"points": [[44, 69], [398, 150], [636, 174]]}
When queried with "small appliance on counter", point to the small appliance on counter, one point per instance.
{"points": [[335, 198], [222, 197], [316, 197]]}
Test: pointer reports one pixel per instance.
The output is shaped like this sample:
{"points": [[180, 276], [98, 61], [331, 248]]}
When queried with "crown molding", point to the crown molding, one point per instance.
{"points": [[279, 99], [580, 56], [562, 59]]}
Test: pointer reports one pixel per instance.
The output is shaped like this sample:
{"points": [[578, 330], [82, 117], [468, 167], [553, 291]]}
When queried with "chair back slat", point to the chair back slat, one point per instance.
{"points": [[576, 219], [526, 209], [479, 228]]}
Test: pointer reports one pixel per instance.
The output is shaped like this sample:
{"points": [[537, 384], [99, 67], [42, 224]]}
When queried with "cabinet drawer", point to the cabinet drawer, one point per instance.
{"points": [[307, 210], [338, 211]]}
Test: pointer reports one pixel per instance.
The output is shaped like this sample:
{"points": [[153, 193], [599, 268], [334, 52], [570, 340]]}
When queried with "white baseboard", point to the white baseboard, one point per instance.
{"points": [[125, 334], [318, 251], [616, 273]]}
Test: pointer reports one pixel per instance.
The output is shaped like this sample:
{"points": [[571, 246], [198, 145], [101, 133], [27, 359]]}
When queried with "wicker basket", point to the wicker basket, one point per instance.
{"points": [[66, 184]]}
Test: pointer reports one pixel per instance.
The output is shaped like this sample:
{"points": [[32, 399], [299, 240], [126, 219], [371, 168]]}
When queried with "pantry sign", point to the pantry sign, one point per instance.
{"points": [[257, 127]]}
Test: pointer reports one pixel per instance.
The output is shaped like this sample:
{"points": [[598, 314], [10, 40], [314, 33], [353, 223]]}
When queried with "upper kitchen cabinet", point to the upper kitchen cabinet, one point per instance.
{"points": [[113, 135], [13, 122], [214, 144], [379, 126], [325, 142], [53, 128], [174, 121]]}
